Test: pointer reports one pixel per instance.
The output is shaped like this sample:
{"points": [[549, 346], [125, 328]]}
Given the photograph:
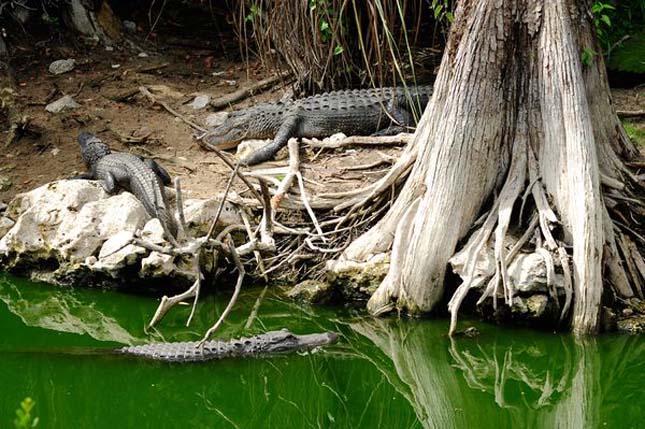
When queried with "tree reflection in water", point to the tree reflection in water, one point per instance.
{"points": [[514, 377], [61, 310]]}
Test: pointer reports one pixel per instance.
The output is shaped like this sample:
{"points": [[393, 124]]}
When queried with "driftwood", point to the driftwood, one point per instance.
{"points": [[244, 93], [630, 113]]}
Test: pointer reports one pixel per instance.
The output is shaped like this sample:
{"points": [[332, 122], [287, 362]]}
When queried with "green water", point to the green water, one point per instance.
{"points": [[384, 373]]}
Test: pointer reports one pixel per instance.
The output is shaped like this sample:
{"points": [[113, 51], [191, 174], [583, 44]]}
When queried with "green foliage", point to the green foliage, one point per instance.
{"points": [[441, 11], [24, 419], [601, 19], [254, 12], [587, 56], [324, 13], [619, 26], [636, 133]]}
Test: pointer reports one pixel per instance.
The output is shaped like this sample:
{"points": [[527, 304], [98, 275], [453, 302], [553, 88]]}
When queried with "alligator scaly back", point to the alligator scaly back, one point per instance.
{"points": [[143, 177], [353, 112], [269, 343]]}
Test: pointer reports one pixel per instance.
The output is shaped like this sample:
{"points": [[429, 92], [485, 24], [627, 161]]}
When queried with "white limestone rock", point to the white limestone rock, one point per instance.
{"points": [[64, 103], [70, 230], [200, 102], [153, 232], [200, 212], [71, 222], [157, 265], [5, 225], [62, 66]]}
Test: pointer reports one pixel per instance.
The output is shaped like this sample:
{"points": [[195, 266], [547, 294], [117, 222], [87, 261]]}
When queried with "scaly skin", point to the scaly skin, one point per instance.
{"points": [[143, 177], [353, 112], [269, 343]]}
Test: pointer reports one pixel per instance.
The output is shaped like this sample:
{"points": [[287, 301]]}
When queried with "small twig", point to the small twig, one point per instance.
{"points": [[238, 286], [79, 90], [130, 139], [243, 93], [211, 229], [123, 96], [256, 307], [385, 159], [179, 200], [303, 196], [256, 253], [148, 69], [221, 156], [197, 286], [170, 110]]}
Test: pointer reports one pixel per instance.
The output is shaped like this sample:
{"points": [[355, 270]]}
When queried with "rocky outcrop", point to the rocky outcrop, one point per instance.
{"points": [[72, 231]]}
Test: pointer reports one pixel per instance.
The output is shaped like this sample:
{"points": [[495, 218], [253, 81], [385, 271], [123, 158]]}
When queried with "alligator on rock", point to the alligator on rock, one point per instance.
{"points": [[352, 112], [141, 176]]}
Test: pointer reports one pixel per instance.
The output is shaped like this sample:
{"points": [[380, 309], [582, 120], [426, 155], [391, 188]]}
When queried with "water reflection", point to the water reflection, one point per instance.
{"points": [[516, 379], [61, 310], [383, 373]]}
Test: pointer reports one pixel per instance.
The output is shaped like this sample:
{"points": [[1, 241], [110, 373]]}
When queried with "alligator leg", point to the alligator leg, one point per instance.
{"points": [[401, 121], [108, 182], [161, 172], [83, 176], [391, 131], [286, 131]]}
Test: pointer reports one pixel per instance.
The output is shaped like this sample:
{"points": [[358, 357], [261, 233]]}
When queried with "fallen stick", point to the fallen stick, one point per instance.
{"points": [[244, 93], [630, 113], [396, 140], [152, 68], [146, 93]]}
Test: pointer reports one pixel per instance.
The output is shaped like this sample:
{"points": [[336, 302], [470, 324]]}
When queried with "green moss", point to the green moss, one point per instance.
{"points": [[636, 132]]}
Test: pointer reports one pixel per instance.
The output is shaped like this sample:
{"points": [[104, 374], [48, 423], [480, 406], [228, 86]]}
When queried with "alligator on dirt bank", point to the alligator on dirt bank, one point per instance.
{"points": [[141, 176], [353, 112], [269, 343]]}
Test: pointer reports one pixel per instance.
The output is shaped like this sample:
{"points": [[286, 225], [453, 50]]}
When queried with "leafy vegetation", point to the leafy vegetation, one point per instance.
{"points": [[619, 26], [24, 419], [636, 133]]}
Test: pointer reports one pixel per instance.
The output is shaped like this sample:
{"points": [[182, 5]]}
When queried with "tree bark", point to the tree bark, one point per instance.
{"points": [[515, 114], [94, 19]]}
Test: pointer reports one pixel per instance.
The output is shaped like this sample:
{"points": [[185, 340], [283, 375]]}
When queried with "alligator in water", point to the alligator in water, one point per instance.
{"points": [[143, 177], [269, 343], [353, 112]]}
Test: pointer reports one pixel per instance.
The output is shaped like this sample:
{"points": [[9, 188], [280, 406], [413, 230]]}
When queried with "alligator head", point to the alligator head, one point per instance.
{"points": [[258, 122], [92, 148], [284, 341]]}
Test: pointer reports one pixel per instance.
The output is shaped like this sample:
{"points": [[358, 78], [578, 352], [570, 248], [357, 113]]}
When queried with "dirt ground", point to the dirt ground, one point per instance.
{"points": [[100, 75]]}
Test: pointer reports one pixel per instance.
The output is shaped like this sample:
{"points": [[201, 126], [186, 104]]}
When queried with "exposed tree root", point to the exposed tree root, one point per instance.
{"points": [[545, 130]]}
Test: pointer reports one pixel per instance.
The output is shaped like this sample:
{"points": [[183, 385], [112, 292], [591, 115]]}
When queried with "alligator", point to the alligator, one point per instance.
{"points": [[141, 176], [269, 343], [353, 112]]}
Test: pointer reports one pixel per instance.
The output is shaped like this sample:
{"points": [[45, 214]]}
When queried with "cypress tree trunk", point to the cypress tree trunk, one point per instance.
{"points": [[517, 117]]}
